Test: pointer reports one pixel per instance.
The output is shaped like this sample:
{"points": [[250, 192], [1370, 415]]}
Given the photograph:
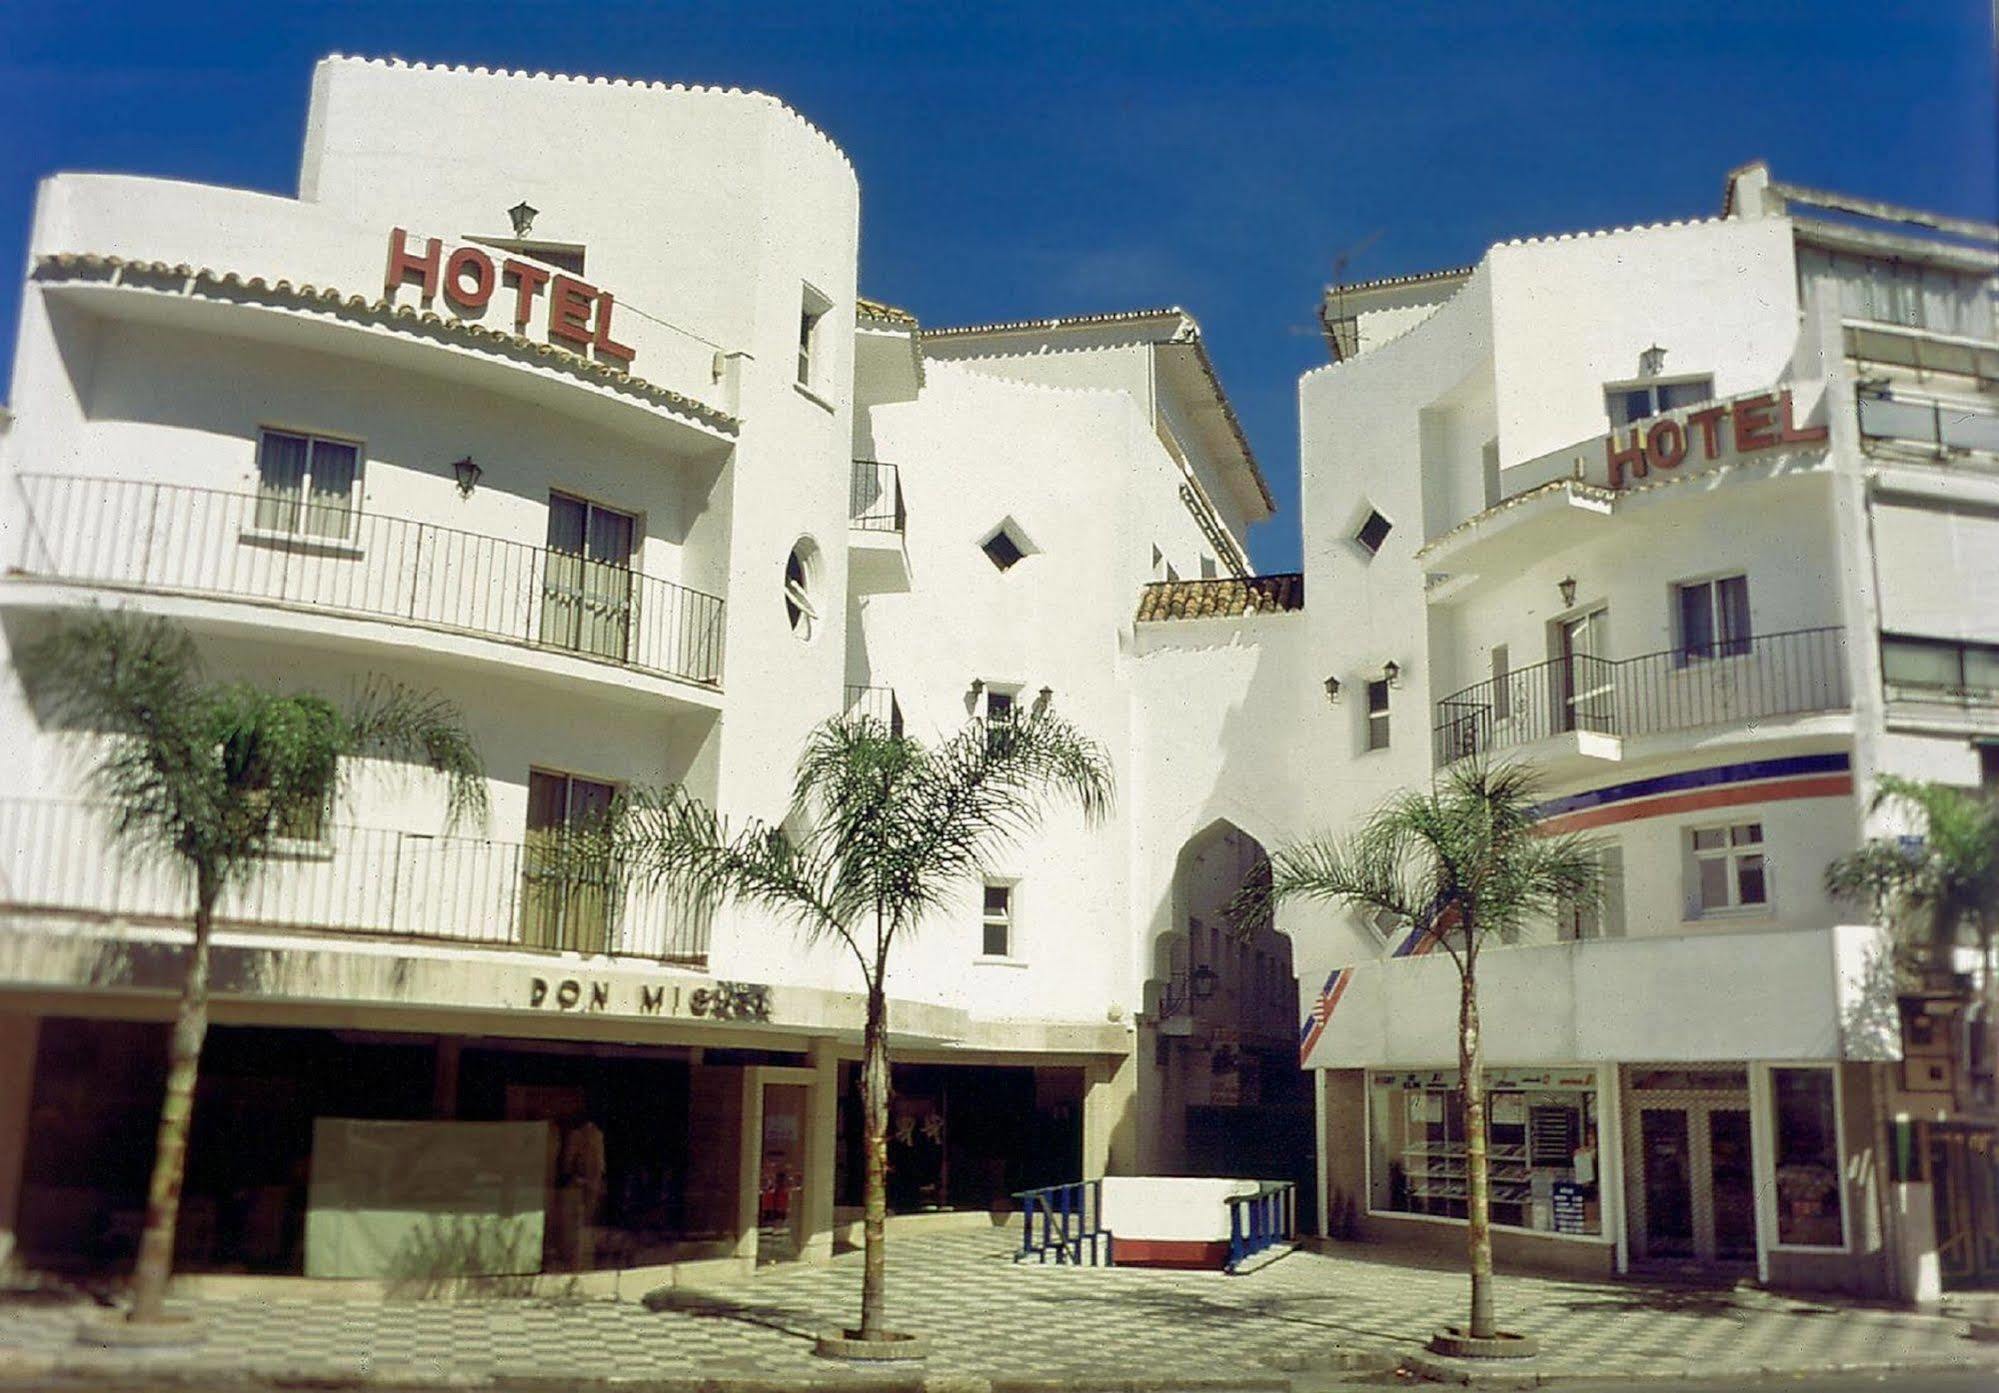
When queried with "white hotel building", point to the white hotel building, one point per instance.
{"points": [[600, 440]]}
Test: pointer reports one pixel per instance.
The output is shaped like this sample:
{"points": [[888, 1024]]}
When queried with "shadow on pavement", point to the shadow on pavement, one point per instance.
{"points": [[800, 1325]]}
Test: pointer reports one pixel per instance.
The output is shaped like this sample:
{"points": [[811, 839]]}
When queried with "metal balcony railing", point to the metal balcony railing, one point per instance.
{"points": [[1943, 427], [1730, 680], [57, 857], [335, 559], [874, 497], [877, 702]]}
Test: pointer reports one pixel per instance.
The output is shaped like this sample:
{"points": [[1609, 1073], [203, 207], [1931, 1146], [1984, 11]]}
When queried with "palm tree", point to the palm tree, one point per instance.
{"points": [[207, 777], [881, 832], [1934, 890], [1937, 889], [1459, 863]]}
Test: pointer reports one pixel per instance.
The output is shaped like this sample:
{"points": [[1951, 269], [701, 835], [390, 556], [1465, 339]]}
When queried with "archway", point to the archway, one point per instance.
{"points": [[1220, 1041]]}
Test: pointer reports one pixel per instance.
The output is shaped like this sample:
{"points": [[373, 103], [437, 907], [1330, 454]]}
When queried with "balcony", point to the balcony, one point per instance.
{"points": [[360, 882], [318, 560], [1601, 702], [877, 558], [878, 704]]}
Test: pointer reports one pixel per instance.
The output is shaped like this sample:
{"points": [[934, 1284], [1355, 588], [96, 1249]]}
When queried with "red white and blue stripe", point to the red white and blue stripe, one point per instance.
{"points": [[1693, 790]]}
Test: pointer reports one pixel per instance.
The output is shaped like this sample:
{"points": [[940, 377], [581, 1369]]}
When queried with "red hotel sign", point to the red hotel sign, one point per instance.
{"points": [[1754, 423], [578, 313]]}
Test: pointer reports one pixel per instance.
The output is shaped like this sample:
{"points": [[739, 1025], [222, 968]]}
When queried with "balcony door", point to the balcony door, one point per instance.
{"points": [[586, 597], [1585, 684], [566, 903]]}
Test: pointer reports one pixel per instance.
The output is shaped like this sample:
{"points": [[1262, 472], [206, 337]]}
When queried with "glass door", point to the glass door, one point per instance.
{"points": [[781, 1174], [1586, 675], [587, 586], [565, 903], [1667, 1151], [1731, 1186]]}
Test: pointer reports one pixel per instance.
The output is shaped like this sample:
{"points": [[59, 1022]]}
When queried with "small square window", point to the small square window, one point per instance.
{"points": [[996, 921], [1377, 714], [1728, 869], [1002, 551], [307, 485], [1373, 532]]}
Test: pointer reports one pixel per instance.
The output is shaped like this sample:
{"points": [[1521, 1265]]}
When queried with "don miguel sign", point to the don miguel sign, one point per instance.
{"points": [[571, 312], [1744, 426]]}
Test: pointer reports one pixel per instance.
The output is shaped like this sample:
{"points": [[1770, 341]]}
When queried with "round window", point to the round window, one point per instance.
{"points": [[801, 574]]}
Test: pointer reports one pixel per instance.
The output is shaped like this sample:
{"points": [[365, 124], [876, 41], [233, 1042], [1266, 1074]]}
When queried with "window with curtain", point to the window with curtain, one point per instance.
{"points": [[1714, 618], [306, 485], [567, 902], [1890, 290], [587, 584]]}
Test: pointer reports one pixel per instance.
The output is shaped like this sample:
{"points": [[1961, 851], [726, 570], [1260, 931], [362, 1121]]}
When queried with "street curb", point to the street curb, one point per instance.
{"points": [[1459, 1372]]}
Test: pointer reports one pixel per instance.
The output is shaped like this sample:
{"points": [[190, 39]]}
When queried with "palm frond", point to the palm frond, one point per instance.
{"points": [[394, 721]]}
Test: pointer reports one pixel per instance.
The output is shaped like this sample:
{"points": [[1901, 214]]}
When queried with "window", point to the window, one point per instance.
{"points": [[1937, 669], [1898, 292], [1728, 868], [567, 903], [1502, 695], [1807, 1154], [1007, 545], [1713, 618], [1626, 402], [1384, 924], [1377, 714], [811, 314], [306, 485], [801, 607], [996, 920], [999, 704], [1605, 918], [1373, 532], [586, 589], [1541, 1147], [1208, 568]]}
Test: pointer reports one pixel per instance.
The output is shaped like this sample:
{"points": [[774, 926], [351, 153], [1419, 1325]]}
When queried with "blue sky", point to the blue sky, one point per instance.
{"points": [[1035, 159]]}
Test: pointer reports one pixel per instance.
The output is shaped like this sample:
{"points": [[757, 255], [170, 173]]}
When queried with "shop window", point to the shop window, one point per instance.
{"points": [[996, 920], [1541, 1147], [1625, 402], [307, 485], [1807, 1152], [1374, 530], [1713, 616], [1377, 714], [1726, 869]]}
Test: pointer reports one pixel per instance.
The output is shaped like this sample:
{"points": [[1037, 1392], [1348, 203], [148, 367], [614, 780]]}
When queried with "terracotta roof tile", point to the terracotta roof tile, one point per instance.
{"points": [[1225, 598], [865, 308]]}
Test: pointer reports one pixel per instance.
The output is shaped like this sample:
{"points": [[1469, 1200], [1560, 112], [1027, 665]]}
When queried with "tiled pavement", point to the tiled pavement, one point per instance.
{"points": [[987, 1317]]}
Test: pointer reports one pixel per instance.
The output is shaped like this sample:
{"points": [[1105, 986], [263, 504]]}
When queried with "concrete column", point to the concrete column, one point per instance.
{"points": [[18, 1038], [821, 1133], [1110, 1101]]}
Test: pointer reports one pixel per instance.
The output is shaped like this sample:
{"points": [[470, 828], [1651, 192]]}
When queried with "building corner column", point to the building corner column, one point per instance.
{"points": [[821, 1158], [19, 1035], [1110, 1099]]}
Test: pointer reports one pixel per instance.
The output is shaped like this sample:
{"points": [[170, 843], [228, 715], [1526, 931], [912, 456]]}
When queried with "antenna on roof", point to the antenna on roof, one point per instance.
{"points": [[1342, 334]]}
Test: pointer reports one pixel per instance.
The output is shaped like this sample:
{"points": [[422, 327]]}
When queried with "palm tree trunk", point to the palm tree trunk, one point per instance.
{"points": [[1478, 1188], [874, 1143], [156, 1243]]}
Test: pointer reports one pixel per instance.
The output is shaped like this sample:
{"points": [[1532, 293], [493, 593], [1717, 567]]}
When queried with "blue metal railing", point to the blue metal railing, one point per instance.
{"points": [[1070, 1218], [1261, 1221]]}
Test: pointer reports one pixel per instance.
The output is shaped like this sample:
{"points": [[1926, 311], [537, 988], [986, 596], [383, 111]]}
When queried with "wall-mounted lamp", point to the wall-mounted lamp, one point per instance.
{"points": [[1202, 982], [1043, 698], [1333, 690], [1567, 585], [467, 474], [522, 216], [978, 685], [1391, 673], [1652, 361]]}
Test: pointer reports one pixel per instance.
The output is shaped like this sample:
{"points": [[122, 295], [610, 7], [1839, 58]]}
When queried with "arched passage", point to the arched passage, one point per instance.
{"points": [[1220, 1032]]}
